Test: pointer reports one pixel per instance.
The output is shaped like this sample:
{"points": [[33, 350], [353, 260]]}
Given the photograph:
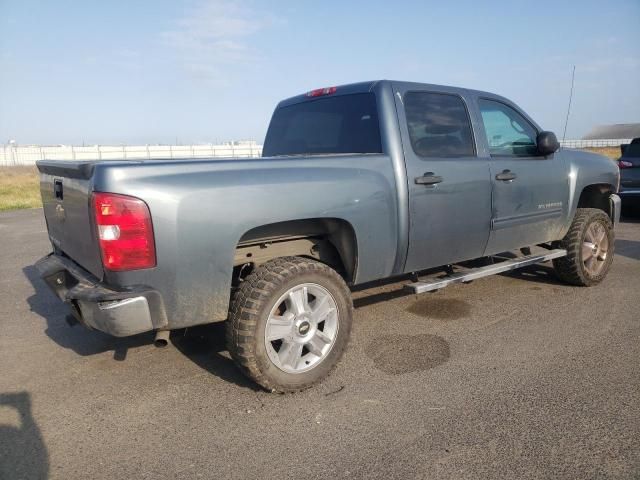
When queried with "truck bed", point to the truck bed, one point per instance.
{"points": [[203, 208]]}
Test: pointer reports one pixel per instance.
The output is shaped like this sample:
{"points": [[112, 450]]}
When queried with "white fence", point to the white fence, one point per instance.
{"points": [[22, 155], [612, 142]]}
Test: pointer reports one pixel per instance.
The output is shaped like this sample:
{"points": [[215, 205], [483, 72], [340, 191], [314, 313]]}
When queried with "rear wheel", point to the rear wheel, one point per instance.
{"points": [[289, 323], [590, 246]]}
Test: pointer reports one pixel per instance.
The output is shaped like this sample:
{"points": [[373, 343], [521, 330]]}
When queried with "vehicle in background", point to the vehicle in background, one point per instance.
{"points": [[629, 164], [358, 183]]}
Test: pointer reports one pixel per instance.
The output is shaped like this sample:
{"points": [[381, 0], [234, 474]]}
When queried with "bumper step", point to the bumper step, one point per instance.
{"points": [[476, 273]]}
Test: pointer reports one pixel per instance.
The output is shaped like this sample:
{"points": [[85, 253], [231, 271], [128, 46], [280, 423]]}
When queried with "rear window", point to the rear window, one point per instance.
{"points": [[342, 124]]}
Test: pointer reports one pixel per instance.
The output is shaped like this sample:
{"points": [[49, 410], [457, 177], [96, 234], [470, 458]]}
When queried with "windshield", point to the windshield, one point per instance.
{"points": [[328, 125]]}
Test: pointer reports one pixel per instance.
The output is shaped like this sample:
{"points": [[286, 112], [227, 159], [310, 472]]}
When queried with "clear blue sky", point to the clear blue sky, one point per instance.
{"points": [[203, 70]]}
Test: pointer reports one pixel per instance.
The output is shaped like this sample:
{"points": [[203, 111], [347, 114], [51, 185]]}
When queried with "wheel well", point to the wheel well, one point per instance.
{"points": [[597, 196], [329, 240]]}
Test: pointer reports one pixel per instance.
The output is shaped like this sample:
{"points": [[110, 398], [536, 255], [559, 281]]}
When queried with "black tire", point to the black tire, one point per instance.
{"points": [[251, 306], [572, 269]]}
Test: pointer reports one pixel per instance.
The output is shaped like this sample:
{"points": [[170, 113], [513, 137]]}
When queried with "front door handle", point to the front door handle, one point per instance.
{"points": [[506, 176], [428, 179]]}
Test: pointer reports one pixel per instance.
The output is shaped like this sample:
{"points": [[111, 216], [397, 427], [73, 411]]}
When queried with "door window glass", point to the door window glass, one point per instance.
{"points": [[438, 125], [508, 133]]}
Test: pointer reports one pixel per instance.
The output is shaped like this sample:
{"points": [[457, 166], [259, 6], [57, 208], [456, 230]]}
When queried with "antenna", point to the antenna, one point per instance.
{"points": [[566, 121]]}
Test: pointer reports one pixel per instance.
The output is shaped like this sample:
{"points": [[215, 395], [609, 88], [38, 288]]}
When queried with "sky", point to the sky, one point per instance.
{"points": [[201, 71]]}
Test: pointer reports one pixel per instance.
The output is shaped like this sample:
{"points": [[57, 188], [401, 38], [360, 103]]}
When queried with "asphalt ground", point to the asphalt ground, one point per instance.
{"points": [[513, 376]]}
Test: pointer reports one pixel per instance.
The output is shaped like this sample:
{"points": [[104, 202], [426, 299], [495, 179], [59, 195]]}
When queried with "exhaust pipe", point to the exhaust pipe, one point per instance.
{"points": [[162, 338]]}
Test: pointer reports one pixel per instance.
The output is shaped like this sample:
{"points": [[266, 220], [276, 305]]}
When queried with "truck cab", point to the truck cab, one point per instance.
{"points": [[475, 175]]}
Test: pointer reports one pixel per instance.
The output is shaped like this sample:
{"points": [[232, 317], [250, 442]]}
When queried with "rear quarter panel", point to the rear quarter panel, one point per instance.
{"points": [[201, 209]]}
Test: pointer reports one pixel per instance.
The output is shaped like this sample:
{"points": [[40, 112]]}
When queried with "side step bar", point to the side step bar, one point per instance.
{"points": [[468, 276]]}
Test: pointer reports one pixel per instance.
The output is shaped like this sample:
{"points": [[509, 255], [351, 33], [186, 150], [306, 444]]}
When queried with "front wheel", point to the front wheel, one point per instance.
{"points": [[590, 246], [289, 323]]}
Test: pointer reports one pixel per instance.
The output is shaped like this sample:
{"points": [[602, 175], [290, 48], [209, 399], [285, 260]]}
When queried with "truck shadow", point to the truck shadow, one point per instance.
{"points": [[628, 248], [630, 215], [81, 340], [205, 346], [365, 298], [535, 273], [23, 453]]}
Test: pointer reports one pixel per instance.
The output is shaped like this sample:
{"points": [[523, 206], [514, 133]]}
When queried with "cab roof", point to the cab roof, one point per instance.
{"points": [[364, 87]]}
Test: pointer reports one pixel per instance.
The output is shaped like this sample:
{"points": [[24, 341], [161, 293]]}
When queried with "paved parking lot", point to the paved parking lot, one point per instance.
{"points": [[515, 376]]}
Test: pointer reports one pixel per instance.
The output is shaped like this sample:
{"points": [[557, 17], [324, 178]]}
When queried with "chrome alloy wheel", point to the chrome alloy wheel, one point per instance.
{"points": [[595, 247], [302, 328]]}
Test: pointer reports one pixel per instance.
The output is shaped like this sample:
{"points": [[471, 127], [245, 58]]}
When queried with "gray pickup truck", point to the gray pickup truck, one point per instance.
{"points": [[357, 183]]}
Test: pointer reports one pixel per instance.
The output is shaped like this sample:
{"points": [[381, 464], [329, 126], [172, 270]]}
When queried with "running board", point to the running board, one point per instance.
{"points": [[468, 276]]}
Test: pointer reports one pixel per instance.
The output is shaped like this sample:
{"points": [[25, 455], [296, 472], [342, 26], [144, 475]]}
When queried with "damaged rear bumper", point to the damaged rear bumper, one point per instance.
{"points": [[116, 312]]}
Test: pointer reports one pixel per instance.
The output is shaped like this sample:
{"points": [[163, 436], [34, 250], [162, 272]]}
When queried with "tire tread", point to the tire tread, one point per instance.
{"points": [[570, 269], [256, 290]]}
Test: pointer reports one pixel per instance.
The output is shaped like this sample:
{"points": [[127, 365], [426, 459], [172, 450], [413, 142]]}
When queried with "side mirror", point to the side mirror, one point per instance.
{"points": [[547, 143]]}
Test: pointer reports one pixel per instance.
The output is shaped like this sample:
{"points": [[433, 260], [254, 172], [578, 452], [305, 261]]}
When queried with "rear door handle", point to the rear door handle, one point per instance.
{"points": [[506, 176], [428, 179]]}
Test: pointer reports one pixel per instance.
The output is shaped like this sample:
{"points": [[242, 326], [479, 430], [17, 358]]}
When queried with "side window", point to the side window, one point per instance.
{"points": [[439, 125], [508, 133]]}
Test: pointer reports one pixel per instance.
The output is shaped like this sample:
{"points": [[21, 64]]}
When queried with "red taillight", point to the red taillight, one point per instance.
{"points": [[624, 164], [318, 92], [125, 232]]}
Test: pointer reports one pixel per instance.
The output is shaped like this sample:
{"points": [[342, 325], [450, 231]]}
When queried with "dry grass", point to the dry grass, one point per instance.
{"points": [[612, 152], [19, 188]]}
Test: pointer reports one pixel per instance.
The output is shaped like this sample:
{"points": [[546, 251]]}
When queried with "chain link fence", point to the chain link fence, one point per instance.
{"points": [[12, 155]]}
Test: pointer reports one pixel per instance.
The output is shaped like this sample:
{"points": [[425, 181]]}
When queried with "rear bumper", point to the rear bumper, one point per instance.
{"points": [[119, 313]]}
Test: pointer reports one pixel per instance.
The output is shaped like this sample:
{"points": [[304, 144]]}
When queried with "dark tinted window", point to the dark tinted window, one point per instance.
{"points": [[438, 125], [508, 133], [633, 149], [342, 124]]}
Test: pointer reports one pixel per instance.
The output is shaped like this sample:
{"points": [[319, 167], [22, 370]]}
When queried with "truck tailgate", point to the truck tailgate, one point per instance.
{"points": [[66, 198]]}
